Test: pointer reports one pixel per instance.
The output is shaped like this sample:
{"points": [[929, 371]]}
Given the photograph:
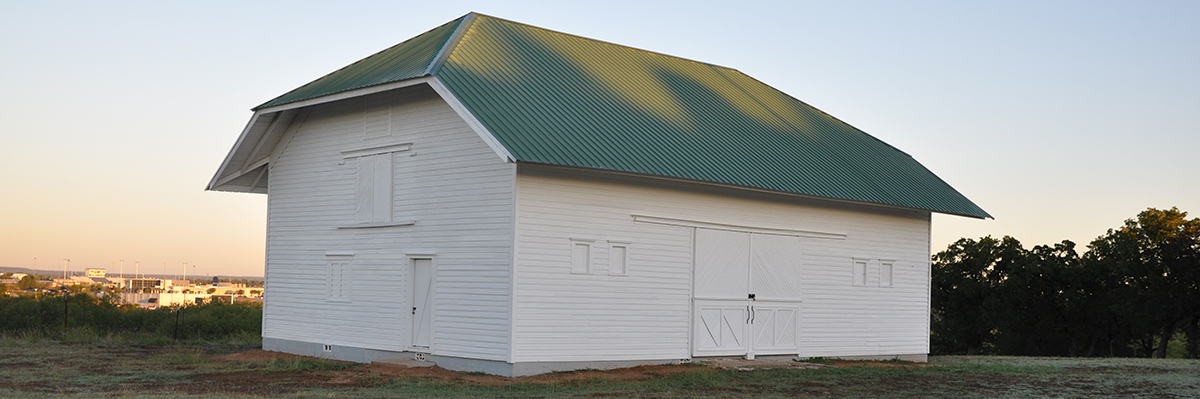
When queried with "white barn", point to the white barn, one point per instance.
{"points": [[497, 197]]}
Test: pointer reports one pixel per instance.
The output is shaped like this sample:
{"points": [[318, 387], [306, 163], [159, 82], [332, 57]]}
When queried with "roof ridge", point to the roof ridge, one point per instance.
{"points": [[602, 41], [444, 53]]}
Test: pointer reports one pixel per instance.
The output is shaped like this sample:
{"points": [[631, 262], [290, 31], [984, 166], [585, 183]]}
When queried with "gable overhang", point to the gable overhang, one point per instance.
{"points": [[247, 165]]}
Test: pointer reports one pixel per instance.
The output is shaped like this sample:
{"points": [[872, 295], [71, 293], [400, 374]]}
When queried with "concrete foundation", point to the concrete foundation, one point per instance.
{"points": [[363, 355]]}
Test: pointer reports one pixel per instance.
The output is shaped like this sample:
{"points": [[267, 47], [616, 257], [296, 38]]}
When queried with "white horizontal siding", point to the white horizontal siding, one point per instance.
{"points": [[450, 183], [559, 316]]}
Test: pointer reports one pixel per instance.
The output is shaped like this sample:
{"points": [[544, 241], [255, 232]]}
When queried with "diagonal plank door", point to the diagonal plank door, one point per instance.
{"points": [[721, 313], [775, 282]]}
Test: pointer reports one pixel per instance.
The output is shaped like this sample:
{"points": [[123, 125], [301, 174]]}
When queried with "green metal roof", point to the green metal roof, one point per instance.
{"points": [[406, 60], [558, 99]]}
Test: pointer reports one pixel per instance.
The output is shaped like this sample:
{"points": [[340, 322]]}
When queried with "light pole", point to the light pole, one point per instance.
{"points": [[185, 284]]}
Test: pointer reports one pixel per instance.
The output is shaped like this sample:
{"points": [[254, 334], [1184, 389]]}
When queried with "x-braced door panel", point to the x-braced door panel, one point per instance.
{"points": [[720, 328], [774, 327]]}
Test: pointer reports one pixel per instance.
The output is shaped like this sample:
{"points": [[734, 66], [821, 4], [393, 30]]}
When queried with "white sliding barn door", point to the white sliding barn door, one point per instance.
{"points": [[721, 313], [421, 287], [775, 283], [746, 294]]}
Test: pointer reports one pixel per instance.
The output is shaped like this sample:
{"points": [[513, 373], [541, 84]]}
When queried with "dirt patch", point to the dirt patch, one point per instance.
{"points": [[876, 364], [378, 373], [759, 364], [258, 356], [442, 375]]}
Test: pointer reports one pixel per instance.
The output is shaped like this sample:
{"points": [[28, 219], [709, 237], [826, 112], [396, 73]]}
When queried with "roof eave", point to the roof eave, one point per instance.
{"points": [[982, 216]]}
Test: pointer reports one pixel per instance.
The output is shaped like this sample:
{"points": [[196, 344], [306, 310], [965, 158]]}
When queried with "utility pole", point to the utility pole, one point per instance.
{"points": [[185, 284]]}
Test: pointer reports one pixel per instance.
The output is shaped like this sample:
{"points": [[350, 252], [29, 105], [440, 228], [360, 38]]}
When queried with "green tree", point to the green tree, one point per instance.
{"points": [[1032, 308], [1158, 256], [27, 283], [965, 279]]}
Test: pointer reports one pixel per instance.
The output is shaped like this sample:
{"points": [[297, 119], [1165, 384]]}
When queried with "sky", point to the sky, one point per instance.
{"points": [[1061, 118]]}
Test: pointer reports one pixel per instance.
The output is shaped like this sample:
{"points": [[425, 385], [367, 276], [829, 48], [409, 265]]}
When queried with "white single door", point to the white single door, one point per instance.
{"points": [[775, 283], [422, 300], [721, 312]]}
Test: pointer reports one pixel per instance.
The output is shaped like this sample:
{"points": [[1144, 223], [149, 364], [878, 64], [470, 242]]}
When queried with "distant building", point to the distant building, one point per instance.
{"points": [[141, 284], [91, 280], [154, 300]]}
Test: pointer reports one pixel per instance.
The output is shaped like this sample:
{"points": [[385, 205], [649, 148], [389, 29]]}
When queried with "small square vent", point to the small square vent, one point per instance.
{"points": [[328, 348]]}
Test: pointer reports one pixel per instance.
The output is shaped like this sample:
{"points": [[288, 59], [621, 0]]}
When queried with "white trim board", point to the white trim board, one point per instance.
{"points": [[739, 228], [378, 224], [470, 119], [434, 83], [348, 94], [225, 163], [375, 150]]}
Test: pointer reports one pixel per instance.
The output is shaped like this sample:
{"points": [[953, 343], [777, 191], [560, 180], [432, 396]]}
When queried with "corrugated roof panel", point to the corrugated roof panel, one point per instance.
{"points": [[559, 99], [403, 61], [895, 173]]}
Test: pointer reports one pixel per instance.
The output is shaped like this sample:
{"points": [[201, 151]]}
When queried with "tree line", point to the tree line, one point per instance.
{"points": [[1129, 294]]}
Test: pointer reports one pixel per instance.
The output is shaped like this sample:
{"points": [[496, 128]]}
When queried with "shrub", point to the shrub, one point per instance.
{"points": [[103, 316]]}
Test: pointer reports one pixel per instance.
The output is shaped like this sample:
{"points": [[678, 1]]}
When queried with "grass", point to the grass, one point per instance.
{"points": [[124, 366]]}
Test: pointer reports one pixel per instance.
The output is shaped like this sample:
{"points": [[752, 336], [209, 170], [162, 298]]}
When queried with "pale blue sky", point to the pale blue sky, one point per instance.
{"points": [[1062, 119]]}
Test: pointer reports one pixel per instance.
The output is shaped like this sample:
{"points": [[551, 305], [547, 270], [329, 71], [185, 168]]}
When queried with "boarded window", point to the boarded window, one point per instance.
{"points": [[338, 280], [581, 257], [375, 189], [885, 274], [618, 259], [378, 116], [860, 272]]}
